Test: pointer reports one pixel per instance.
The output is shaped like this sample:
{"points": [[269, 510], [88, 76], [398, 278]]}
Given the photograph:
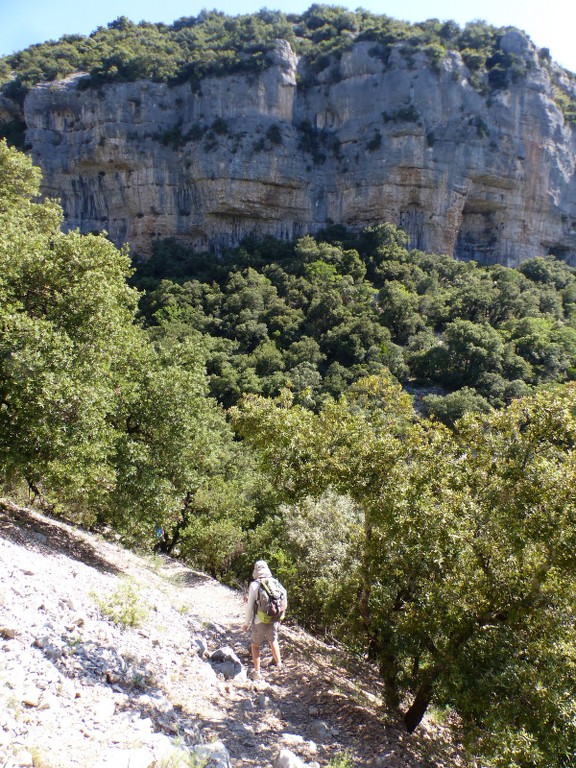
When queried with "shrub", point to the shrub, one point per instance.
{"points": [[450, 408], [274, 134], [375, 142], [408, 114], [124, 606], [220, 126], [320, 537]]}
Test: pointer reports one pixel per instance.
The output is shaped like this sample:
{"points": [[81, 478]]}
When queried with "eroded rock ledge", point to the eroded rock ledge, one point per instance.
{"points": [[484, 177]]}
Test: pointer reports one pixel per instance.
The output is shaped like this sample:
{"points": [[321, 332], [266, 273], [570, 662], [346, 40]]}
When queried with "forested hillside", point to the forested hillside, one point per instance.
{"points": [[318, 314], [213, 43], [259, 405]]}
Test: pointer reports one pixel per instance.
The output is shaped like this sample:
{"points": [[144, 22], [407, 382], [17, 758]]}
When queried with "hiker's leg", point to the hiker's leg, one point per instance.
{"points": [[275, 648], [274, 644], [256, 656], [257, 640]]}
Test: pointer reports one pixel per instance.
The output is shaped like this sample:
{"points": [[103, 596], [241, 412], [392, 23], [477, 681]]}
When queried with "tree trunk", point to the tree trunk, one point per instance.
{"points": [[417, 709], [366, 586], [389, 674], [167, 543]]}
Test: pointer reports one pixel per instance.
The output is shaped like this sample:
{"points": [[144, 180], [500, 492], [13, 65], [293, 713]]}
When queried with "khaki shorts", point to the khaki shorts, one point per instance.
{"points": [[262, 632]]}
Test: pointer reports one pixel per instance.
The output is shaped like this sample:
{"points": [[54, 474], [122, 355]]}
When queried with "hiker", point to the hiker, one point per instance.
{"points": [[161, 540], [263, 626]]}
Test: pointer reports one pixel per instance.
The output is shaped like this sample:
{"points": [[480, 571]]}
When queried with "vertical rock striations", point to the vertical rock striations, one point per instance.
{"points": [[478, 172]]}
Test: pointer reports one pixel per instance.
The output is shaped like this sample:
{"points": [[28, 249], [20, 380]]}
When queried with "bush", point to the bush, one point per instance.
{"points": [[450, 408], [274, 134], [319, 538], [124, 606], [375, 142]]}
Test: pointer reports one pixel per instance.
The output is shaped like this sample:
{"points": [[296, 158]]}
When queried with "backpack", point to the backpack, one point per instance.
{"points": [[272, 600]]}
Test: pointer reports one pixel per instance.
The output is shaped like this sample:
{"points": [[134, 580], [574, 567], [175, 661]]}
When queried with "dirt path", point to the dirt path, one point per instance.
{"points": [[324, 704]]}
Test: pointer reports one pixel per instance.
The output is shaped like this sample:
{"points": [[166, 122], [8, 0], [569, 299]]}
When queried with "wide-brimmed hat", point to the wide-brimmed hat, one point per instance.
{"points": [[261, 570]]}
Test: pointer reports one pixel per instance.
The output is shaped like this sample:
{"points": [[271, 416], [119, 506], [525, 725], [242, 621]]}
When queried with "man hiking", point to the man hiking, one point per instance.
{"points": [[265, 608]]}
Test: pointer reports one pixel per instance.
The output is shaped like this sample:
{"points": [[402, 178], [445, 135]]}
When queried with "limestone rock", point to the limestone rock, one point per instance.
{"points": [[484, 177], [320, 730], [125, 758], [31, 697], [227, 663], [215, 755], [287, 759], [201, 646], [24, 759]]}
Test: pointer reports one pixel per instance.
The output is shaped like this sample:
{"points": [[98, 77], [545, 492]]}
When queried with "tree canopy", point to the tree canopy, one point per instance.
{"points": [[320, 313], [437, 540], [213, 43], [97, 417], [465, 566]]}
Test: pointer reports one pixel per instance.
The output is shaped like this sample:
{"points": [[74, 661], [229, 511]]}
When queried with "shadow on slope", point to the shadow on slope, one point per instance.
{"points": [[24, 527]]}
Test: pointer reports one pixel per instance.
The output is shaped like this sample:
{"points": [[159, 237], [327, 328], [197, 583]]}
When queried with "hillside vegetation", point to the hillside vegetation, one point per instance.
{"points": [[120, 667], [255, 408], [318, 314], [213, 43]]}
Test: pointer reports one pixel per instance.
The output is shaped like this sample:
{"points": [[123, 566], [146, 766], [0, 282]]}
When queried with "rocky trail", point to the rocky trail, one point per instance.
{"points": [[109, 659]]}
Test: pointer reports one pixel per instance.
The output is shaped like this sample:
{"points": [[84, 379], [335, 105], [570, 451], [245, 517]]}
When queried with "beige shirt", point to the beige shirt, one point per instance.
{"points": [[252, 604]]}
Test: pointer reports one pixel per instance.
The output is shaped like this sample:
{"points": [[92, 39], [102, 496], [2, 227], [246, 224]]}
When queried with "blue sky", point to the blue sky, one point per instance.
{"points": [[550, 23]]}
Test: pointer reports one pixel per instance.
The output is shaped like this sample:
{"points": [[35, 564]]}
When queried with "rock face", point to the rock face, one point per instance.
{"points": [[281, 153]]}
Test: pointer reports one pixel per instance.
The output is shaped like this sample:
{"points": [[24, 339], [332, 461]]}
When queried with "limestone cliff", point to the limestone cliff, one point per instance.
{"points": [[369, 139]]}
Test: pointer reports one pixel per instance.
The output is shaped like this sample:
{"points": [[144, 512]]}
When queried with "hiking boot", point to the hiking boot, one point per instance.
{"points": [[255, 675]]}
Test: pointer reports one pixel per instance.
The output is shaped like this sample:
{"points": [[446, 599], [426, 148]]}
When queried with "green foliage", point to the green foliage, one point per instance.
{"points": [[103, 420], [566, 103], [14, 131], [451, 408], [402, 115], [224, 507], [65, 330], [215, 44], [342, 760], [505, 68], [471, 350], [320, 538], [274, 134], [179, 759], [182, 759], [318, 314], [375, 142], [465, 585], [189, 49], [317, 142], [124, 606]]}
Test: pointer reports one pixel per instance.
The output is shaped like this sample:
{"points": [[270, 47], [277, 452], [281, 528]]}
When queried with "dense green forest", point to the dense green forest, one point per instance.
{"points": [[258, 405], [213, 43], [316, 315]]}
